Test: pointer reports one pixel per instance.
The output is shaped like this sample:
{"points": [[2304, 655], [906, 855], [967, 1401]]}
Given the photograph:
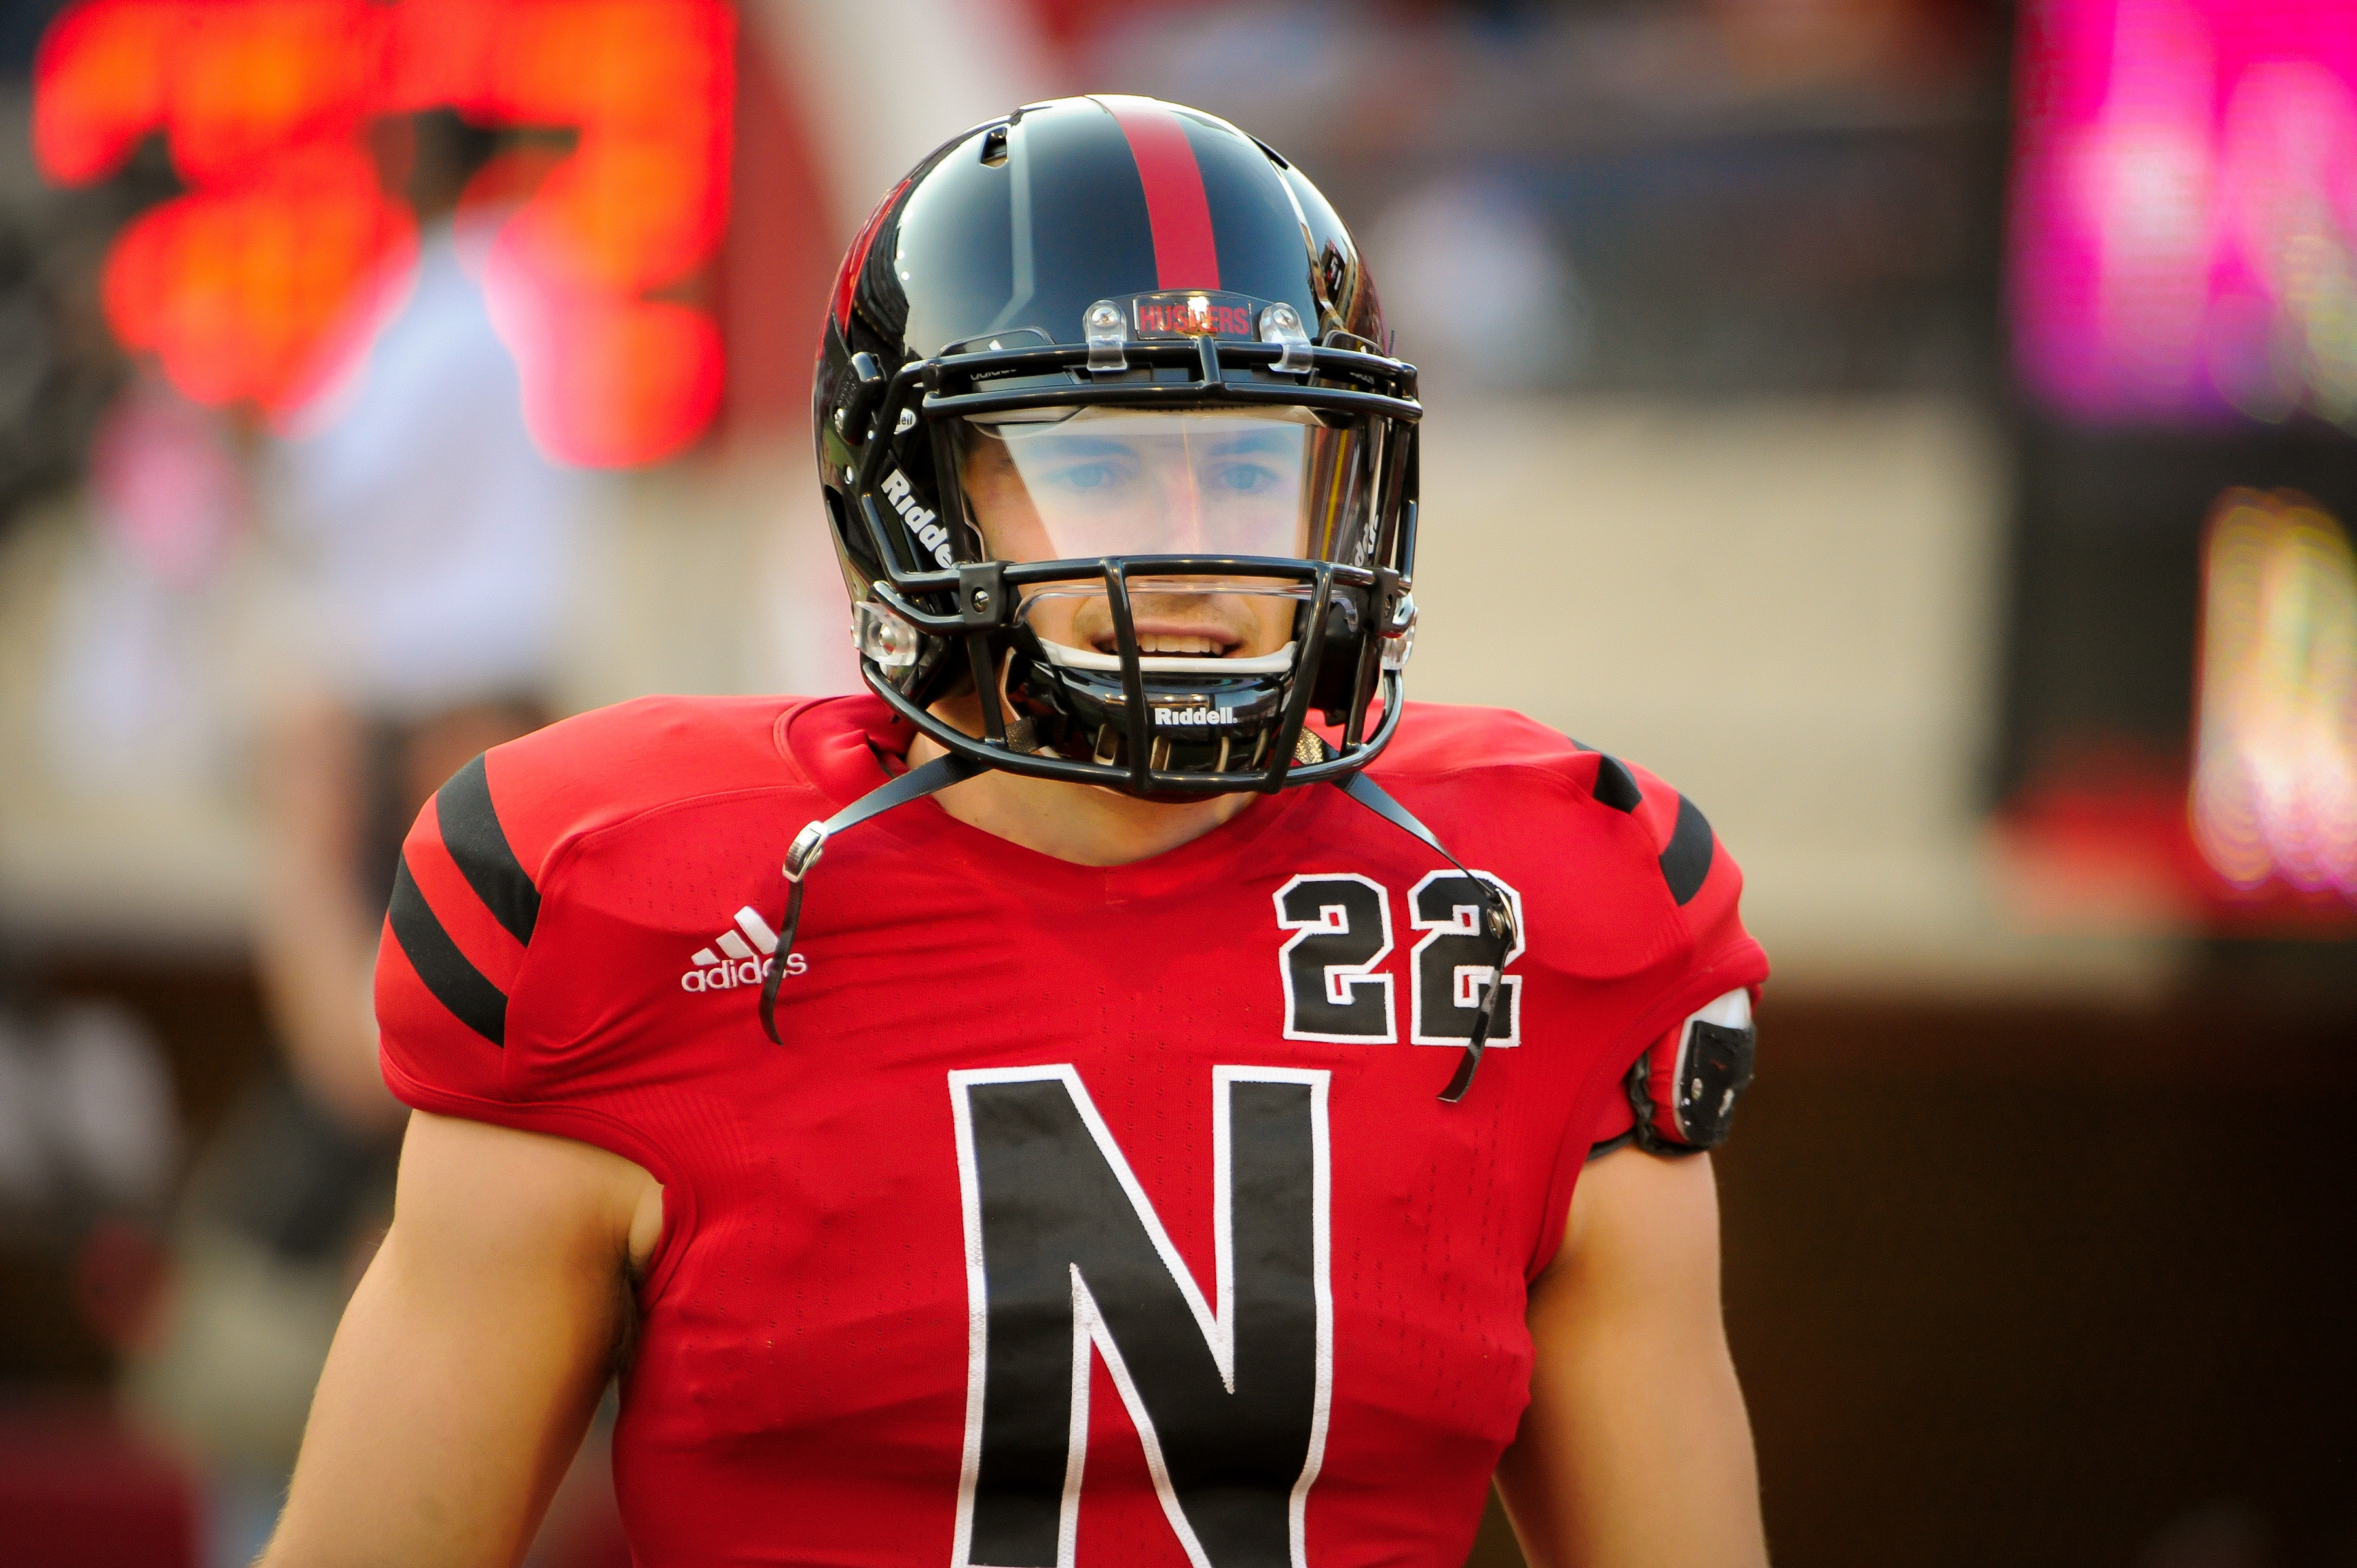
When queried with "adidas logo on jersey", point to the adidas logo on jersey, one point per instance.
{"points": [[733, 961]]}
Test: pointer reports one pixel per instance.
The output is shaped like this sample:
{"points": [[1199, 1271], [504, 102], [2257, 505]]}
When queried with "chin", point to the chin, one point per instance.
{"points": [[1161, 797]]}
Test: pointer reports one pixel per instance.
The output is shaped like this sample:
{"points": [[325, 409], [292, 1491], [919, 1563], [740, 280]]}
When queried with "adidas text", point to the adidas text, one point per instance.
{"points": [[738, 957]]}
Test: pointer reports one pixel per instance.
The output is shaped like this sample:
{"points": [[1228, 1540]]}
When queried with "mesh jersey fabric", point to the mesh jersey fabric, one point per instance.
{"points": [[569, 951]]}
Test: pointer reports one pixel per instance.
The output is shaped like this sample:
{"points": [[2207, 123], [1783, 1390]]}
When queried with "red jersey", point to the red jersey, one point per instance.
{"points": [[1088, 1215]]}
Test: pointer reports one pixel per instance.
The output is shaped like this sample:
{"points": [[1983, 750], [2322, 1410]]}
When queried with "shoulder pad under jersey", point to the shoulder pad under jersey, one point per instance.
{"points": [[1682, 1093]]}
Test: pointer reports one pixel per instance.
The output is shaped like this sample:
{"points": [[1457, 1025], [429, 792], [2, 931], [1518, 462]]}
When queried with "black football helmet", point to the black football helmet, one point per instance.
{"points": [[1108, 433], [1103, 403]]}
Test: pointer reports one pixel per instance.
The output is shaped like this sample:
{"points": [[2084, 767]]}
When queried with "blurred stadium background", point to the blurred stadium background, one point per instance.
{"points": [[1921, 429]]}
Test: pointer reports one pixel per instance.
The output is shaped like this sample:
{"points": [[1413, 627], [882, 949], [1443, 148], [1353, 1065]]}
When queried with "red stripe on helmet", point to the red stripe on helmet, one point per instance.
{"points": [[1176, 206], [846, 282]]}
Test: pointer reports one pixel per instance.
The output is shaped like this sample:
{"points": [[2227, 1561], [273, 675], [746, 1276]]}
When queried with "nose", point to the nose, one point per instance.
{"points": [[1182, 509]]}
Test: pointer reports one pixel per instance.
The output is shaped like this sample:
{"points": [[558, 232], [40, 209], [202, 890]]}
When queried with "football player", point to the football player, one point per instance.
{"points": [[1179, 1103]]}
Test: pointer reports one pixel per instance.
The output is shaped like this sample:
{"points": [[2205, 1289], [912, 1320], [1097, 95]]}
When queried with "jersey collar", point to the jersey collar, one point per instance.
{"points": [[835, 742]]}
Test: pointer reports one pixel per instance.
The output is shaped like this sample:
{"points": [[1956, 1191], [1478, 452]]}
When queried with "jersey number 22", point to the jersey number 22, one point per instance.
{"points": [[1341, 925]]}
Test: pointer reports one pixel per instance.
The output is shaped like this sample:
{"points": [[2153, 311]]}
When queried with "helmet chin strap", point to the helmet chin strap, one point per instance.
{"points": [[1501, 923], [951, 769], [811, 842]]}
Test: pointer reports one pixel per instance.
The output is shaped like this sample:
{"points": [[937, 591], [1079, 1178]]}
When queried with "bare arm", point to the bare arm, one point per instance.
{"points": [[1635, 1450], [473, 1352]]}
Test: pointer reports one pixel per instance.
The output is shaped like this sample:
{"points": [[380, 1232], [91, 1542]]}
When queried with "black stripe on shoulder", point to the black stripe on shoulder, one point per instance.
{"points": [[456, 984], [471, 832], [1615, 786], [1687, 860]]}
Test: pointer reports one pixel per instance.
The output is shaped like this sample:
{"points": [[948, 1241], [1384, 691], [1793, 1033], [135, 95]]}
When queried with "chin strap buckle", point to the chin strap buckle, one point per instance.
{"points": [[1370, 794], [808, 845], [1501, 930], [811, 842]]}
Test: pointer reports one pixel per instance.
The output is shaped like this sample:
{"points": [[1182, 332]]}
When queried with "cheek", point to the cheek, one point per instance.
{"points": [[1002, 510], [1056, 619], [1018, 538], [1273, 618]]}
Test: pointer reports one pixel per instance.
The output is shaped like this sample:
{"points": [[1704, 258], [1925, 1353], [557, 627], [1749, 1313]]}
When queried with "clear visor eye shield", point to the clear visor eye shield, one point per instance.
{"points": [[1160, 549]]}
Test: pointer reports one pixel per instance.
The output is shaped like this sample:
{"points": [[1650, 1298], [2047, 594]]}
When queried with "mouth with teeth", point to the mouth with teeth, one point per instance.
{"points": [[1191, 641], [1184, 625]]}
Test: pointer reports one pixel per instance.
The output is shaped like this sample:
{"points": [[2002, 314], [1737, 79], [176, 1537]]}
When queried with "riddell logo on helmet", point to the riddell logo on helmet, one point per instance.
{"points": [[1164, 718], [930, 533], [731, 961]]}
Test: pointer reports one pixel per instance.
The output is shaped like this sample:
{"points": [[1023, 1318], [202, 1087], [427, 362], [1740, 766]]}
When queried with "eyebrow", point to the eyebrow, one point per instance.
{"points": [[1075, 445], [1285, 441]]}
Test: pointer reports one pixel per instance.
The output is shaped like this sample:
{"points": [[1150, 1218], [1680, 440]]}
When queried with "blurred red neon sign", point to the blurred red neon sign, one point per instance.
{"points": [[237, 285]]}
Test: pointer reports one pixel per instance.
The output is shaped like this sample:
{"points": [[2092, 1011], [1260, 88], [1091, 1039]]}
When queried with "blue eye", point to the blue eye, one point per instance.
{"points": [[1088, 477], [1247, 479]]}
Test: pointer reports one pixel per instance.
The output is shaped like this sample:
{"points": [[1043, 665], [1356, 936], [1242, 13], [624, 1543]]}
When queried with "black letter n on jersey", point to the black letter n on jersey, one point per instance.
{"points": [[1065, 1255]]}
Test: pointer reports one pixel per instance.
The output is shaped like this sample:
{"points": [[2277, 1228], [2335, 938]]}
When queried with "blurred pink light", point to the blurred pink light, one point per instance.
{"points": [[2184, 235]]}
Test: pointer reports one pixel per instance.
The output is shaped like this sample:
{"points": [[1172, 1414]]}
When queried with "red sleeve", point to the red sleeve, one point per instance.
{"points": [[1719, 956], [456, 940], [1705, 953], [1706, 888], [1614, 1120]]}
